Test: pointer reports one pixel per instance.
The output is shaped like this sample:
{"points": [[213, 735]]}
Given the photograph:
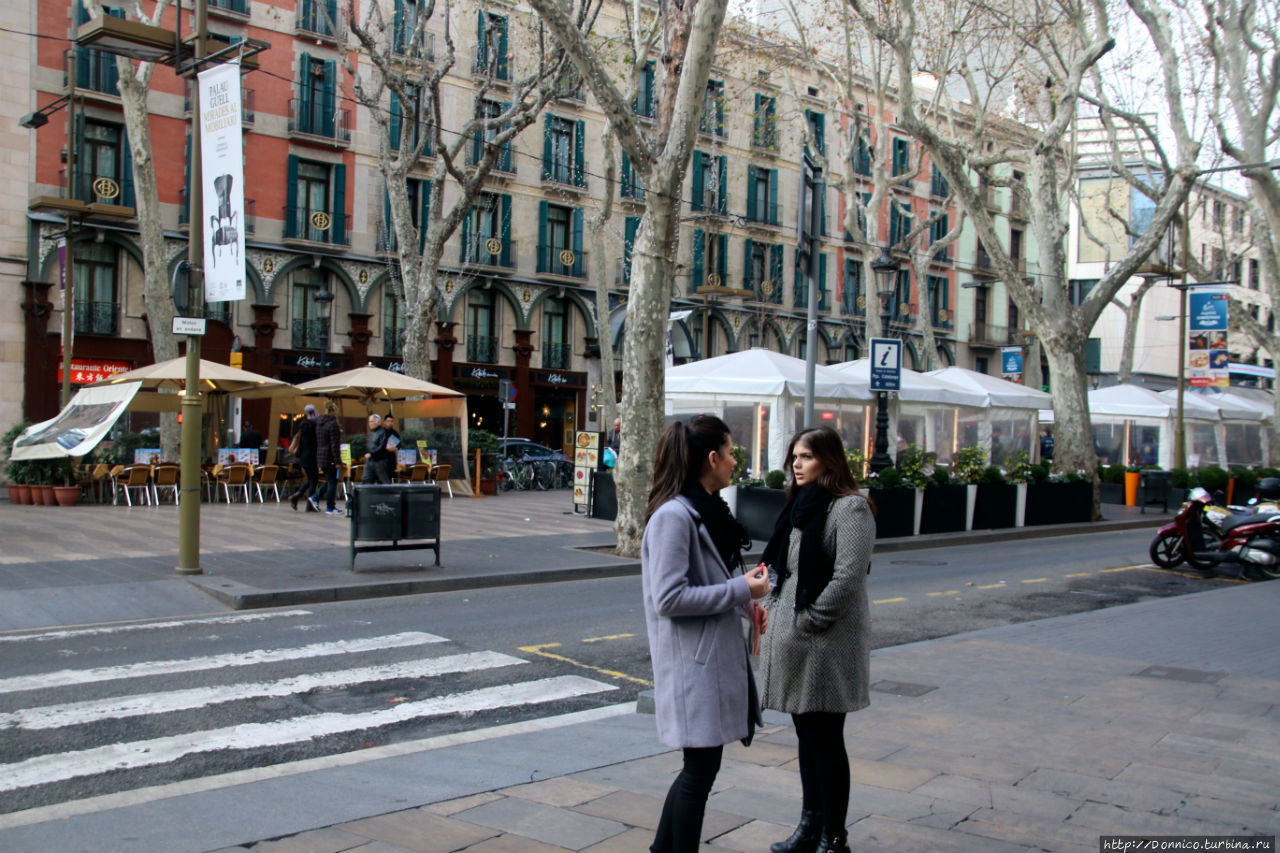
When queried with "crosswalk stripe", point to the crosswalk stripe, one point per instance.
{"points": [[80, 713], [185, 624], [45, 769], [68, 677]]}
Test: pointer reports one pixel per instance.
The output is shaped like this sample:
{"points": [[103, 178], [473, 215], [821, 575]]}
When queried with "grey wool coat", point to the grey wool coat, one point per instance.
{"points": [[819, 659], [693, 609]]}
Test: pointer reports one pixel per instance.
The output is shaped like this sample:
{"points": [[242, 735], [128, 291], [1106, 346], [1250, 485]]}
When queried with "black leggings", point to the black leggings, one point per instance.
{"points": [[680, 827], [824, 768]]}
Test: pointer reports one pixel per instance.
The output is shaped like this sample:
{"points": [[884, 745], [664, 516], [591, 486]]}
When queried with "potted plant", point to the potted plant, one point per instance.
{"points": [[66, 491], [1180, 484], [996, 502], [1245, 483], [1020, 472], [968, 466], [760, 505], [1132, 478], [1111, 490], [1213, 480], [895, 504], [490, 448], [15, 471], [914, 467], [730, 492]]}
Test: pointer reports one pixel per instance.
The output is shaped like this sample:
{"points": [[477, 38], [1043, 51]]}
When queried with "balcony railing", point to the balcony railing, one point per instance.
{"points": [[988, 335], [503, 164], [476, 251], [316, 119], [87, 189], [308, 334], [556, 356], [97, 318], [424, 49], [482, 349], [564, 176], [316, 226], [314, 19], [556, 260], [480, 67], [240, 7], [764, 289]]}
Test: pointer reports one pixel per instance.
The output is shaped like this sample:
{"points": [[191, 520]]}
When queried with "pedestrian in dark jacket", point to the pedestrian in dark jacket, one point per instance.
{"points": [[815, 658], [695, 598], [307, 459], [329, 454]]}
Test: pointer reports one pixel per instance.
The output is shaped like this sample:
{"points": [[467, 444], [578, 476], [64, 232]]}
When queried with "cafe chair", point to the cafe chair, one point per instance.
{"points": [[235, 477], [419, 473], [99, 479], [166, 477], [440, 474], [137, 477], [355, 475], [268, 476]]}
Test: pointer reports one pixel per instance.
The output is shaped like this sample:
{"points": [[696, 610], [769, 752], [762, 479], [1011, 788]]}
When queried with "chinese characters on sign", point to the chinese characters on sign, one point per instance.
{"points": [[85, 372], [1207, 358]]}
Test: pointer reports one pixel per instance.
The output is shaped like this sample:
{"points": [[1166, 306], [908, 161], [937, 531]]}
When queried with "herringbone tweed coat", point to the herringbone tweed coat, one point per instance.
{"points": [[819, 659]]}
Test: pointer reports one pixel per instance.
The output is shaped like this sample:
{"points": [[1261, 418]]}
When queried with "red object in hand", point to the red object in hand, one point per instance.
{"points": [[759, 622]]}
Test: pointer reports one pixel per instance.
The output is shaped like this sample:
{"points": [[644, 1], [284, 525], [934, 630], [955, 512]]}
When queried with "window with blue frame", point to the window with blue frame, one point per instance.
{"points": [[762, 195], [862, 157], [317, 90], [629, 229], [816, 123], [307, 329], [316, 201], [486, 231], [939, 300], [937, 231], [764, 132], [710, 260], [97, 308], [489, 112], [853, 299], [319, 17], [762, 271], [563, 151], [901, 306], [899, 225], [901, 156], [646, 103], [938, 186], [238, 6], [104, 167], [712, 120], [710, 180], [482, 338], [632, 186], [392, 323], [557, 347], [418, 131], [801, 290], [419, 192], [491, 46], [560, 240], [96, 69]]}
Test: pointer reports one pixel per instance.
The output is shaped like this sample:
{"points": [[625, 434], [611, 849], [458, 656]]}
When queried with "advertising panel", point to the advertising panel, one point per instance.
{"points": [[221, 159], [1208, 363]]}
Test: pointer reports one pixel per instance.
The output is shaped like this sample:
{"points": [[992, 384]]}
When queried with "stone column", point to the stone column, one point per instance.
{"points": [[445, 342], [526, 412]]}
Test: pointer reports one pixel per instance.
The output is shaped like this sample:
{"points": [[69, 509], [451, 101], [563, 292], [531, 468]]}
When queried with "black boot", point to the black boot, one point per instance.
{"points": [[805, 836], [833, 843]]}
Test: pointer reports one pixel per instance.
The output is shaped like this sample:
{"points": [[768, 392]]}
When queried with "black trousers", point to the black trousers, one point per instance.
{"points": [[308, 488], [331, 486], [824, 768], [680, 827]]}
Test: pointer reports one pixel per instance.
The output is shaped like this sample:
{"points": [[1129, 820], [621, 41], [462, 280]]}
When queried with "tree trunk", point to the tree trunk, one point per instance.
{"points": [[1072, 428]]}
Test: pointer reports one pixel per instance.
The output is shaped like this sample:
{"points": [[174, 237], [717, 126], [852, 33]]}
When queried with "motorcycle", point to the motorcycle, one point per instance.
{"points": [[1172, 545], [1250, 544]]}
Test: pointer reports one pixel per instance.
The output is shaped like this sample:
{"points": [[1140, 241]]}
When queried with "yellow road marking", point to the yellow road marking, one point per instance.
{"points": [[1120, 569], [610, 637], [947, 592], [1078, 575], [889, 600], [540, 651], [1034, 580], [992, 585]]}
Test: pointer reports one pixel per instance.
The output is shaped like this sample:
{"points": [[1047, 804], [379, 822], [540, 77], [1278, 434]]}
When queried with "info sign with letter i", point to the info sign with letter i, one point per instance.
{"points": [[886, 364], [222, 164]]}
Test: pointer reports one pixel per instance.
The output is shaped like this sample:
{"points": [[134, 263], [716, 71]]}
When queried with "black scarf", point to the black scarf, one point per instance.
{"points": [[729, 536], [806, 510]]}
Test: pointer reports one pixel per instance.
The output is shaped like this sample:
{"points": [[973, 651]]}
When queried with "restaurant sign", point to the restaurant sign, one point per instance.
{"points": [[87, 371]]}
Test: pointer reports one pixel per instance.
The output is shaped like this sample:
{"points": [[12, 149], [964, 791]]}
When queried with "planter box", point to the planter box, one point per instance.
{"points": [[1111, 493], [895, 512], [996, 506], [944, 509], [759, 508], [1059, 503]]}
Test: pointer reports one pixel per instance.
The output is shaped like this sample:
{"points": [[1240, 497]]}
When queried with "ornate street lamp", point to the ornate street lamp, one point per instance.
{"points": [[886, 273]]}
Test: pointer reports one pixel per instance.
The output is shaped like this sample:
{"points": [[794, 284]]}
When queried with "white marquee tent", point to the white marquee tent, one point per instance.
{"points": [[1012, 409]]}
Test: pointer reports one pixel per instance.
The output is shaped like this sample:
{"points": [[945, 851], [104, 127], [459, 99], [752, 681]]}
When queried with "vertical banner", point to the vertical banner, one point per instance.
{"points": [[222, 162], [1011, 361], [1207, 358]]}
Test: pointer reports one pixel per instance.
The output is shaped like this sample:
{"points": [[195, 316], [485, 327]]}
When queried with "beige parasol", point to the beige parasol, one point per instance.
{"points": [[171, 375]]}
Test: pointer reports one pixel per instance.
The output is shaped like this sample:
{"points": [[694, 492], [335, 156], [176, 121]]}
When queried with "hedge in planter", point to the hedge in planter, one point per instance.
{"points": [[1063, 502], [896, 512], [997, 502], [944, 508], [759, 508]]}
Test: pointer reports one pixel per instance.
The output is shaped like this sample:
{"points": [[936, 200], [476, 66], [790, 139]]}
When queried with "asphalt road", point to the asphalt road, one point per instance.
{"points": [[112, 708]]}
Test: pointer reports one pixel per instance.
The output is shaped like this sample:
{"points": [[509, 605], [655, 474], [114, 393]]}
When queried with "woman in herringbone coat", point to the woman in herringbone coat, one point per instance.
{"points": [[815, 657], [695, 598]]}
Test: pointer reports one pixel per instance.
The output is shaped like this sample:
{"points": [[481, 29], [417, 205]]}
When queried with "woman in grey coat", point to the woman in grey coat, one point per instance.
{"points": [[695, 596], [815, 659]]}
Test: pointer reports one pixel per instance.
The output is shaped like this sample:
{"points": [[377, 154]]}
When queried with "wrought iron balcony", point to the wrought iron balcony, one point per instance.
{"points": [[556, 260], [556, 356], [309, 334], [316, 119], [482, 349], [97, 318]]}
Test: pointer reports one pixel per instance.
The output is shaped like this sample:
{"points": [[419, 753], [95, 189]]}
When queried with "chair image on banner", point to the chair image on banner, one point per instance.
{"points": [[268, 477], [166, 477], [440, 474], [236, 477], [223, 224]]}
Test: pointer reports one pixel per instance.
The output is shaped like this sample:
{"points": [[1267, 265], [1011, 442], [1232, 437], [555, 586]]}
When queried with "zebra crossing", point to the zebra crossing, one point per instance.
{"points": [[72, 732]]}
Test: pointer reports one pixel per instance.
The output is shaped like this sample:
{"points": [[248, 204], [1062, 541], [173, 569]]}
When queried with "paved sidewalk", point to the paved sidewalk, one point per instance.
{"points": [[1160, 718], [96, 563]]}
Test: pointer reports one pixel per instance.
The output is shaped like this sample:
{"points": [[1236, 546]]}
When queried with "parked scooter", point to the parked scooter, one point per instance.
{"points": [[1250, 546], [1172, 546]]}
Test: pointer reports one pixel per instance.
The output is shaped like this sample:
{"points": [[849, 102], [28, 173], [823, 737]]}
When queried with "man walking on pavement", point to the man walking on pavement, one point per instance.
{"points": [[307, 458], [328, 454]]}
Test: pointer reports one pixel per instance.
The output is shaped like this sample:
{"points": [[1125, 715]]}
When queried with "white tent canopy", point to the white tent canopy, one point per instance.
{"points": [[1136, 424], [1000, 393], [760, 395], [1240, 434]]}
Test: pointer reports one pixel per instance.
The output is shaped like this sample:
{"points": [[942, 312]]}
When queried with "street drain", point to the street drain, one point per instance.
{"points": [[902, 688], [1174, 673]]}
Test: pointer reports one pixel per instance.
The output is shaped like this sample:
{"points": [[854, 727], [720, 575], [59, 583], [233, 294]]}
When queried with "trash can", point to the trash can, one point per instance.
{"points": [[405, 514], [1153, 489]]}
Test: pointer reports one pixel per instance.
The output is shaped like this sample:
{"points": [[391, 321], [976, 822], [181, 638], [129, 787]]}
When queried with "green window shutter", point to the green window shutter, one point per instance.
{"points": [[327, 96], [304, 92], [544, 252], [339, 216], [822, 282], [751, 191], [546, 147], [722, 203], [698, 191], [467, 255], [630, 227], [577, 241], [775, 271], [748, 248], [397, 121], [424, 212], [699, 256], [800, 292], [757, 130], [628, 189], [722, 259], [502, 48], [482, 55], [505, 258], [330, 25], [504, 157], [1093, 355], [291, 198], [579, 154], [773, 196]]}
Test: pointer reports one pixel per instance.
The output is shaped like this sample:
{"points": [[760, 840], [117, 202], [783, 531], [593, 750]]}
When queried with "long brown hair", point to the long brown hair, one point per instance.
{"points": [[682, 453], [825, 445]]}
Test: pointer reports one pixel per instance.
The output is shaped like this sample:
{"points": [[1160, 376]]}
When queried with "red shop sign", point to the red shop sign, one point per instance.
{"points": [[86, 371]]}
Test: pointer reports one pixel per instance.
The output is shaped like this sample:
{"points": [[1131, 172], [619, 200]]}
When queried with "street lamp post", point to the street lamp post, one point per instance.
{"points": [[885, 269]]}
